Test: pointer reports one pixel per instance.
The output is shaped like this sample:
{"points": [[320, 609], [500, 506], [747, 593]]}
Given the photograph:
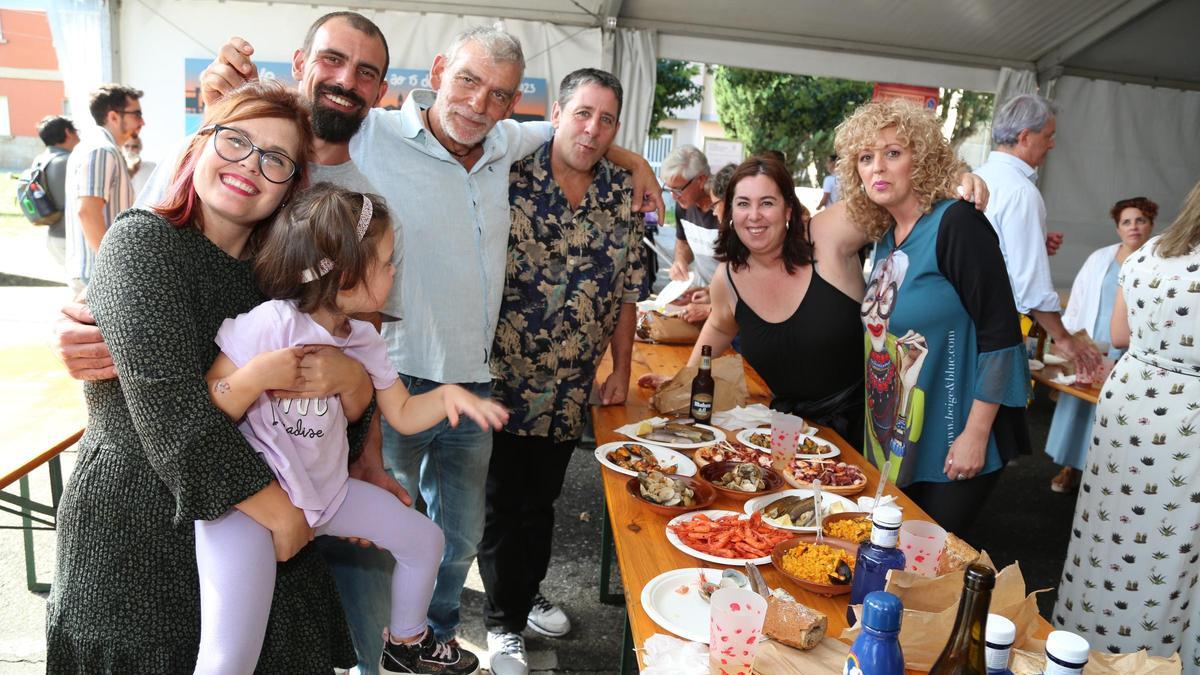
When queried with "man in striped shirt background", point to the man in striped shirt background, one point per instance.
{"points": [[98, 184]]}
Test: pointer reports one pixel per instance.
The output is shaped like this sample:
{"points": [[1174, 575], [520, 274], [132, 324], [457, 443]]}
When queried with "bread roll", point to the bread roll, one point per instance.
{"points": [[792, 623]]}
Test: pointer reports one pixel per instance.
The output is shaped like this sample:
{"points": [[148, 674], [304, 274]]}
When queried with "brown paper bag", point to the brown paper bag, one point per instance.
{"points": [[729, 373], [931, 605], [657, 327], [1029, 661]]}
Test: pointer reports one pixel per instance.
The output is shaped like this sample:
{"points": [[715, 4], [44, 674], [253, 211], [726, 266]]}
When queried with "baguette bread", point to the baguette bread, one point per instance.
{"points": [[792, 623]]}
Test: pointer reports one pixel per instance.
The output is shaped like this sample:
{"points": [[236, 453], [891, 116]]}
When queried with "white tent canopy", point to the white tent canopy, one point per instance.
{"points": [[1124, 72]]}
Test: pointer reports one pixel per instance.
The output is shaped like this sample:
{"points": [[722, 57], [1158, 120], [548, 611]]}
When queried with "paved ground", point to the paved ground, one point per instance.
{"points": [[1023, 521]]}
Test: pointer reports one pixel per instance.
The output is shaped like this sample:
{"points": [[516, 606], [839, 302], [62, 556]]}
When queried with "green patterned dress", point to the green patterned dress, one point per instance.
{"points": [[157, 456], [1130, 578]]}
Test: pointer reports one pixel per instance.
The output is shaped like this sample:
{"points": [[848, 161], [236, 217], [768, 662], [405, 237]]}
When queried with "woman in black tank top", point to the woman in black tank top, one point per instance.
{"points": [[812, 356], [812, 360]]}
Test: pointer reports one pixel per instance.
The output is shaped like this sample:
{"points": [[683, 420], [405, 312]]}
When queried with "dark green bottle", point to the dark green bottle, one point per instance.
{"points": [[965, 653]]}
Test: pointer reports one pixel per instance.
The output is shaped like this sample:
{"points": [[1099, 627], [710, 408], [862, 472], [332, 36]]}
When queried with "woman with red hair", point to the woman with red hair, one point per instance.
{"points": [[158, 454], [1090, 309]]}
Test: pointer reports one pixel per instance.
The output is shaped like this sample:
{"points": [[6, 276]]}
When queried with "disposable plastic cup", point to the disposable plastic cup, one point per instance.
{"points": [[922, 543], [735, 629], [785, 436]]}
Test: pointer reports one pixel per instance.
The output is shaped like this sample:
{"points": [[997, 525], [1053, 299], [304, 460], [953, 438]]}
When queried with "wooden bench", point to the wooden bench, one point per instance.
{"points": [[34, 515]]}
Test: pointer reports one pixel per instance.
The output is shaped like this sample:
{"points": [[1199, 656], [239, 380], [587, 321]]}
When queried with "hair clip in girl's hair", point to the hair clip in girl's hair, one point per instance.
{"points": [[323, 267]]}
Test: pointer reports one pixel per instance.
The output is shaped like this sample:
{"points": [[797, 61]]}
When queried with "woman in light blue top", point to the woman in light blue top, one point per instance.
{"points": [[1090, 309]]}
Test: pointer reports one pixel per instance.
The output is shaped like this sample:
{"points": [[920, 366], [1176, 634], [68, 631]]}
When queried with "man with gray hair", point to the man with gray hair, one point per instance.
{"points": [[1023, 130], [685, 172]]}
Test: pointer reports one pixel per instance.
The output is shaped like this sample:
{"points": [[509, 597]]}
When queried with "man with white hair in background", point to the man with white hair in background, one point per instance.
{"points": [[1023, 131], [685, 173]]}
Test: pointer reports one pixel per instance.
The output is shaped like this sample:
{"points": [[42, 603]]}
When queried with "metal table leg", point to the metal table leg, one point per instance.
{"points": [[607, 552], [628, 661]]}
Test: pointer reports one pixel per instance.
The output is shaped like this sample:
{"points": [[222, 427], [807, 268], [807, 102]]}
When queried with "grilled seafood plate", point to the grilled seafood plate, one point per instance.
{"points": [[637, 457], [745, 477], [661, 489], [728, 452], [674, 432]]}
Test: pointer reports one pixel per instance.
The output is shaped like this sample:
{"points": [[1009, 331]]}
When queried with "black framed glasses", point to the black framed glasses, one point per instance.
{"points": [[135, 113], [234, 146], [675, 192]]}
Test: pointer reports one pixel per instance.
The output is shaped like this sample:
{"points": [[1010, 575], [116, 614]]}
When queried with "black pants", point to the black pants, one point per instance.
{"points": [[955, 504], [524, 478]]}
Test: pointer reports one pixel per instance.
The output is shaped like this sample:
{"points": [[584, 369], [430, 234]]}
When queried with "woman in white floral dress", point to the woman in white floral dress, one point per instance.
{"points": [[1130, 578]]}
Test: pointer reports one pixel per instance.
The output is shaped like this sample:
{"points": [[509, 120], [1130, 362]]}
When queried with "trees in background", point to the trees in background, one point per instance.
{"points": [[673, 89], [798, 114], [794, 114]]}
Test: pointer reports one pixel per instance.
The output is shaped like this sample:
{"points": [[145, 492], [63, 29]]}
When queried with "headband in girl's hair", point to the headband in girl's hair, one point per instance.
{"points": [[323, 267]]}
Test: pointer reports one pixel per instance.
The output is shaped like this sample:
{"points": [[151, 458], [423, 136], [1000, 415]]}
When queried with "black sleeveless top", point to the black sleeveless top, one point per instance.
{"points": [[812, 361]]}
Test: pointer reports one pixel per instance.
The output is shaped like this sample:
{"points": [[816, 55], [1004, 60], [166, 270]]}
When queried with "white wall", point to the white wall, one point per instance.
{"points": [[1115, 141], [156, 36]]}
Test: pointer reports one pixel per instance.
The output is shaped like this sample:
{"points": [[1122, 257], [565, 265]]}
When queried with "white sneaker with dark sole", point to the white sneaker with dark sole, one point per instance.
{"points": [[546, 618], [506, 654]]}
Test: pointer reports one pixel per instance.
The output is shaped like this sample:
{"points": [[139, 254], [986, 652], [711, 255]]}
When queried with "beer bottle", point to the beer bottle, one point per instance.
{"points": [[965, 652], [703, 387]]}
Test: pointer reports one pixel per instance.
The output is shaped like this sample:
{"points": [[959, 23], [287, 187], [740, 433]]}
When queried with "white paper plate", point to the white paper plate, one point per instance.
{"points": [[831, 450], [665, 456], [684, 614], [713, 514], [762, 501], [720, 436]]}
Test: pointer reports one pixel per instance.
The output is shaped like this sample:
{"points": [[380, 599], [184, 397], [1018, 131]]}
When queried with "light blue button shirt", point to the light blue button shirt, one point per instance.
{"points": [[1018, 214], [452, 225]]}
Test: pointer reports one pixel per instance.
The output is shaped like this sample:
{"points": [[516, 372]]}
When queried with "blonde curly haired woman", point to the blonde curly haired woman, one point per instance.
{"points": [[946, 372]]}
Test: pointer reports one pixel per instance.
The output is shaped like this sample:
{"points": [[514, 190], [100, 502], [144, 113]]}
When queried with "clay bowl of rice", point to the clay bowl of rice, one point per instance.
{"points": [[825, 569]]}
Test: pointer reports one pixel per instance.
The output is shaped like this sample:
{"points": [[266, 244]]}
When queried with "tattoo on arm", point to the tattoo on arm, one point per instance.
{"points": [[221, 387]]}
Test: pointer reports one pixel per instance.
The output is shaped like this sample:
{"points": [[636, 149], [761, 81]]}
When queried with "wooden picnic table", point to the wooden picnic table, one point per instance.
{"points": [[1089, 392], [642, 549]]}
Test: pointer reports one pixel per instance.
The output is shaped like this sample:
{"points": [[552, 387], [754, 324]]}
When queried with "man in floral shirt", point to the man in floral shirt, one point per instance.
{"points": [[574, 275]]}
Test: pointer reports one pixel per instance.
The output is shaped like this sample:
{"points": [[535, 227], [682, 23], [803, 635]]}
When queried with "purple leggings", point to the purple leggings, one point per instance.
{"points": [[236, 560]]}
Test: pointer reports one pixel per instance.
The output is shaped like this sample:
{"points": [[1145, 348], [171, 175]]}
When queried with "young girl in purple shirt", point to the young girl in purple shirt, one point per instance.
{"points": [[328, 256]]}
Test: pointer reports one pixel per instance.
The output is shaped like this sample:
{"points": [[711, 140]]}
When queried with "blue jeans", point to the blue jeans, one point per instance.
{"points": [[364, 580], [447, 467]]}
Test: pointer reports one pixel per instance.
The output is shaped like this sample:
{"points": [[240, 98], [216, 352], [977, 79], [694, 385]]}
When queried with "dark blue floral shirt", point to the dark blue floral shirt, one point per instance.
{"points": [[569, 272]]}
